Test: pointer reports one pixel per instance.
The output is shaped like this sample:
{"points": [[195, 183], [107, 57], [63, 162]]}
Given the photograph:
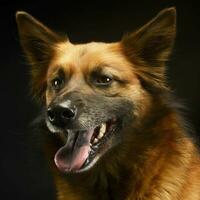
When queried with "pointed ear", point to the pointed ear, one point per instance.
{"points": [[152, 43], [37, 41]]}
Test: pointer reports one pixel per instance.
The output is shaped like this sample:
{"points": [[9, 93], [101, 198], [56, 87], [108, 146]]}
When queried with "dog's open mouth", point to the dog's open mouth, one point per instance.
{"points": [[82, 148]]}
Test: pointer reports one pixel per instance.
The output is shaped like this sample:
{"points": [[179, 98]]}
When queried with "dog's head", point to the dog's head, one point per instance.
{"points": [[94, 92]]}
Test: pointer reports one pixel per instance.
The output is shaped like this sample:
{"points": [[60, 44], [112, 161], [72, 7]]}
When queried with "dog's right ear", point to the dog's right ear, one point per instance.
{"points": [[37, 41]]}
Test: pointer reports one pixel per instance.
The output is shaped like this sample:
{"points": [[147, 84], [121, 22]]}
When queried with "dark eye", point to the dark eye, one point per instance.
{"points": [[103, 80], [57, 83]]}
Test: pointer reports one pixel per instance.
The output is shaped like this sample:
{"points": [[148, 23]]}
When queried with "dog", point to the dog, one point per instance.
{"points": [[113, 129]]}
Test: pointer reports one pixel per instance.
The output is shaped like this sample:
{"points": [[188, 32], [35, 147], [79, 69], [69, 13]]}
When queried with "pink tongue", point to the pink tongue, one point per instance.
{"points": [[73, 154]]}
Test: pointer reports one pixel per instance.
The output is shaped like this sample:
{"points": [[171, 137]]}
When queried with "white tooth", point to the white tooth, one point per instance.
{"points": [[102, 131], [100, 134], [95, 140], [87, 161]]}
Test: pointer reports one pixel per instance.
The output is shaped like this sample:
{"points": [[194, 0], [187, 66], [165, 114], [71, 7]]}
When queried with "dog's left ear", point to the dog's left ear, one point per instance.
{"points": [[152, 43]]}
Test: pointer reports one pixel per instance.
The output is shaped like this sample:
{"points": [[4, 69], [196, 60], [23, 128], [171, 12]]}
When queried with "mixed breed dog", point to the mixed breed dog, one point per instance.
{"points": [[112, 128]]}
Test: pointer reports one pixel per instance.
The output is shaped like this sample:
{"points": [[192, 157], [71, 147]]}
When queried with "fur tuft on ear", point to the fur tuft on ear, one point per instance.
{"points": [[37, 41], [150, 46]]}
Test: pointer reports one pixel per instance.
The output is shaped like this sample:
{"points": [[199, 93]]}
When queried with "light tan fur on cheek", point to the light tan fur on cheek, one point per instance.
{"points": [[142, 100], [48, 97]]}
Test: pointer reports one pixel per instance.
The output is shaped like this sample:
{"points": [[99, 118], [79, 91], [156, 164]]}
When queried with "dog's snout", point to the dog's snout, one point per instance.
{"points": [[61, 114]]}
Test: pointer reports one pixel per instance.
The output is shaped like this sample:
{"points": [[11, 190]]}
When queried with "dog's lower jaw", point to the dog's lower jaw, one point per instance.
{"points": [[92, 184], [81, 149], [100, 182]]}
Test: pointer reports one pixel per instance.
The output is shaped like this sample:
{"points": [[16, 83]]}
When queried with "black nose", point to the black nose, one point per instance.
{"points": [[60, 115]]}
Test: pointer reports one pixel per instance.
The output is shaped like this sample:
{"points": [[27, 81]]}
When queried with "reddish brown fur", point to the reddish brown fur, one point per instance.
{"points": [[169, 169]]}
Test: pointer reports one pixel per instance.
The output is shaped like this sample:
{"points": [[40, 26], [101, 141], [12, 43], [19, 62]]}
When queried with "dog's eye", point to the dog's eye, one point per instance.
{"points": [[103, 80], [57, 83]]}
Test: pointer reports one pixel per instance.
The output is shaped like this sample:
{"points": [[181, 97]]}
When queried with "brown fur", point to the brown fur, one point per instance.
{"points": [[159, 161]]}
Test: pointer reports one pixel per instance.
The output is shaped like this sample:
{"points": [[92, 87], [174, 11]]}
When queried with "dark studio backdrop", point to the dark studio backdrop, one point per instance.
{"points": [[23, 177]]}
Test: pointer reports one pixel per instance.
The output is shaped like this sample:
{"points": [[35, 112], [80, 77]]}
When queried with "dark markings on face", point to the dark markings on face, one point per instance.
{"points": [[95, 109]]}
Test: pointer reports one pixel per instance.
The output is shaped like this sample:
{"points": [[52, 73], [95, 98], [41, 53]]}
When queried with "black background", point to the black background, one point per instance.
{"points": [[85, 21]]}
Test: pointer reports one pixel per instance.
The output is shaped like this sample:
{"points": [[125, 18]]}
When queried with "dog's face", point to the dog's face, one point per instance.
{"points": [[94, 92], [88, 100]]}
